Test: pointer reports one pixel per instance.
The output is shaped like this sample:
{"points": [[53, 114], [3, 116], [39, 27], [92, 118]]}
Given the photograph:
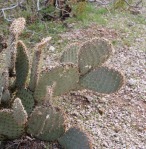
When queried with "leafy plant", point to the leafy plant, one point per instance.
{"points": [[87, 13], [28, 107], [121, 4]]}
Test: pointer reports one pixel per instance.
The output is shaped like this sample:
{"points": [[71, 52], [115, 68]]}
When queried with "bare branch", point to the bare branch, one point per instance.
{"points": [[9, 8]]}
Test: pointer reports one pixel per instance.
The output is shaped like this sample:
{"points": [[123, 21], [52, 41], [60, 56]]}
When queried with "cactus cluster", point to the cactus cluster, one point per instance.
{"points": [[26, 91]]}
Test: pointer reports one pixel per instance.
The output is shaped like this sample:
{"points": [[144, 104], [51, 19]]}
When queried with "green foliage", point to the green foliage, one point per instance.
{"points": [[121, 4], [48, 10], [37, 26], [88, 13], [80, 9]]}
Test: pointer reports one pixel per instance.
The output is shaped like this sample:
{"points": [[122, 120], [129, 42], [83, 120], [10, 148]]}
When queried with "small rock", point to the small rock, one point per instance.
{"points": [[131, 24], [117, 128], [101, 110], [52, 49], [102, 100], [132, 82], [105, 144]]}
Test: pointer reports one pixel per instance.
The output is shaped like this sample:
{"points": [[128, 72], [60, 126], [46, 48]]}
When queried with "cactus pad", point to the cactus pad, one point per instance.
{"points": [[5, 96], [70, 54], [4, 84], [34, 70], [11, 54], [36, 63], [19, 113], [22, 65], [65, 77], [17, 26], [46, 123], [8, 126], [93, 53], [102, 80], [27, 99], [74, 138], [4, 79]]}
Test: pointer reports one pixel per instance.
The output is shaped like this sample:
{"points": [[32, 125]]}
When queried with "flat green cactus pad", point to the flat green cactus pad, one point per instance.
{"points": [[93, 53], [4, 79], [6, 96], [46, 124], [8, 126], [4, 84], [74, 138], [102, 80], [27, 99], [35, 69], [22, 65], [70, 54], [19, 113], [65, 78]]}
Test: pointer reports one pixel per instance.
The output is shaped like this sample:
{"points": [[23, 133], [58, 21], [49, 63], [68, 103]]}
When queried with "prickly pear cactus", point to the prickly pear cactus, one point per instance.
{"points": [[70, 54], [65, 77], [16, 29], [22, 65], [35, 69], [32, 111], [89, 58], [17, 26], [4, 84], [5, 96], [19, 113], [46, 123], [27, 99], [93, 54], [74, 138], [9, 128], [102, 80]]}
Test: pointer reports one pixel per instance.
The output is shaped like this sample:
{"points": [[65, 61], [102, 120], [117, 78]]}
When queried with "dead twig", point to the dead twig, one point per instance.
{"points": [[10, 8]]}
